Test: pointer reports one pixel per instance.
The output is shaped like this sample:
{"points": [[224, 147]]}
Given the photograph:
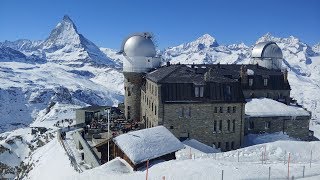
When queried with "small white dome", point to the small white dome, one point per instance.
{"points": [[266, 50], [139, 45]]}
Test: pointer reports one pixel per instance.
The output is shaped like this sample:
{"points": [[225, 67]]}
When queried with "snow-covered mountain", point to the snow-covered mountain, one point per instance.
{"points": [[65, 69], [64, 45], [206, 49]]}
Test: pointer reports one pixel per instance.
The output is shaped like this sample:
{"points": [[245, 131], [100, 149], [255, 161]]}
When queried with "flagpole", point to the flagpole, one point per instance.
{"points": [[108, 112]]}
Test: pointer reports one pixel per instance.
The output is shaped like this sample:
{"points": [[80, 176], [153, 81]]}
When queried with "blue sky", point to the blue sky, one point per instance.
{"points": [[106, 23]]}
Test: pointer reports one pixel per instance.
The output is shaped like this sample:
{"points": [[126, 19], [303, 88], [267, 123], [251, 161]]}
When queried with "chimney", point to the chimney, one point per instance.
{"points": [[243, 75], [168, 63], [192, 66]]}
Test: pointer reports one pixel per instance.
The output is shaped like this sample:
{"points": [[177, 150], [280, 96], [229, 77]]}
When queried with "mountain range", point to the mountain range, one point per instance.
{"points": [[68, 69]]}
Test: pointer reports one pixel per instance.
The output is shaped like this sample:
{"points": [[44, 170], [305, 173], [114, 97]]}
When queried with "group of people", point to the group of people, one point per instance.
{"points": [[61, 123]]}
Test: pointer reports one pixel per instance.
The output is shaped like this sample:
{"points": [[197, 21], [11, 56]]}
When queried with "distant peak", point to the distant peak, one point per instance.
{"points": [[67, 18], [207, 40]]}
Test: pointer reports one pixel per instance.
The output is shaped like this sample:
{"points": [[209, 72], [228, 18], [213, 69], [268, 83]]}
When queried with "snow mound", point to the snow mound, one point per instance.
{"points": [[116, 165], [199, 146], [264, 107]]}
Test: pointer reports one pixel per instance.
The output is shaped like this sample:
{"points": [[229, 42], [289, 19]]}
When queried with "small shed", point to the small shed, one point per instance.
{"points": [[137, 147], [86, 114]]}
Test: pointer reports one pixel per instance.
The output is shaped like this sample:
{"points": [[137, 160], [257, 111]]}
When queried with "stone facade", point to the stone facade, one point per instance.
{"points": [[297, 127], [132, 98], [194, 120]]}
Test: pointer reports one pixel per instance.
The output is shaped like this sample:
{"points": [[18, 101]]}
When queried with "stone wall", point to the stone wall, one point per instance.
{"points": [[132, 97], [150, 104], [89, 156], [297, 127], [197, 120]]}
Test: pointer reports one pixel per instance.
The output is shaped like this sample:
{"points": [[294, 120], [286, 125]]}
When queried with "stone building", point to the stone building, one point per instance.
{"points": [[206, 102]]}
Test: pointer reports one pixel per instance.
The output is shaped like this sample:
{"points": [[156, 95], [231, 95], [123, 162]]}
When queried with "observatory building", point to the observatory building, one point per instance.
{"points": [[140, 57], [267, 54], [207, 102]]}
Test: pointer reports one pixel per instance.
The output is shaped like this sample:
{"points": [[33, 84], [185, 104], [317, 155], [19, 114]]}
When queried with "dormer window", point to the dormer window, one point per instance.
{"points": [[198, 91], [250, 82], [265, 82]]}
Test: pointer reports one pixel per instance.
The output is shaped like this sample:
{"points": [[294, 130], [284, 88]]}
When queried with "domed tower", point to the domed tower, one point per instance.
{"points": [[267, 54], [140, 57]]}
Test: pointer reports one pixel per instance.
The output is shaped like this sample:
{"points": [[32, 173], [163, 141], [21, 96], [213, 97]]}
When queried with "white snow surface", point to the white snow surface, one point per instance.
{"points": [[147, 144], [264, 107], [250, 72]]}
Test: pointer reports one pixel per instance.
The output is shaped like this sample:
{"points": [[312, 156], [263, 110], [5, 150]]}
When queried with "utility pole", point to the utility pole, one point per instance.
{"points": [[108, 114]]}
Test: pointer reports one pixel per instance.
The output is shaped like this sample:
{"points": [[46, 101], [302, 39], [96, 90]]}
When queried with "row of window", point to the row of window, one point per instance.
{"points": [[265, 82], [229, 109], [267, 125], [184, 112], [217, 126], [150, 104], [228, 145], [153, 89], [199, 91]]}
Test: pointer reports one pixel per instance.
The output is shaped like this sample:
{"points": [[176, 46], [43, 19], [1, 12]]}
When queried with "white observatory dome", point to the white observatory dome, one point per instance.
{"points": [[140, 53], [267, 54], [266, 50], [139, 45]]}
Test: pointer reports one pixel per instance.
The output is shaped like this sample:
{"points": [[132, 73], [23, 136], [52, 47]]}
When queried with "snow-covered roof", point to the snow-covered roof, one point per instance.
{"points": [[264, 107], [148, 144], [250, 72]]}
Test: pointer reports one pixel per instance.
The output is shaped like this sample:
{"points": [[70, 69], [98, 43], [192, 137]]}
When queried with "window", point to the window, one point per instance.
{"points": [[220, 125], [251, 125], [180, 112], [215, 109], [250, 82], [171, 127], [267, 125], [227, 146], [265, 82], [232, 145], [228, 90], [229, 109], [233, 125], [196, 91], [155, 110], [129, 116], [234, 109], [129, 92], [221, 110], [219, 144], [201, 91], [187, 112], [152, 107], [214, 126], [229, 125]]}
